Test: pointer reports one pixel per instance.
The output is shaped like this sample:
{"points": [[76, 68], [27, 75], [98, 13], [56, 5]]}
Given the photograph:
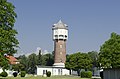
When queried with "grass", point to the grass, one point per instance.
{"points": [[40, 77]]}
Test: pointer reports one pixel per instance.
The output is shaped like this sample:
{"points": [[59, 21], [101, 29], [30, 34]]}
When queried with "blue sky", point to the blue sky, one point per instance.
{"points": [[90, 23]]}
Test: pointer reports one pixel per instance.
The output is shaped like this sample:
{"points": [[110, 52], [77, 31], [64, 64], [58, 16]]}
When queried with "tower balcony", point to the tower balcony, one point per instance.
{"points": [[60, 37]]}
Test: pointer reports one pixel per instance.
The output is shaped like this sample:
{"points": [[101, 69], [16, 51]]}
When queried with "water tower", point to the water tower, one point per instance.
{"points": [[60, 36]]}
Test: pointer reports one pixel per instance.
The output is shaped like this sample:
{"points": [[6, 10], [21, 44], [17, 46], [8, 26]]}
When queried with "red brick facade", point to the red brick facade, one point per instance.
{"points": [[60, 51]]}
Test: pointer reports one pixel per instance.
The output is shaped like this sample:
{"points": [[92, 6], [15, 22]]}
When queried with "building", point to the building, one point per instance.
{"points": [[111, 73], [60, 36], [12, 60]]}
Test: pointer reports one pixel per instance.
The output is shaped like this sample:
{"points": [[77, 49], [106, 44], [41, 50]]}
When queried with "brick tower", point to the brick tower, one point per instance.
{"points": [[60, 35]]}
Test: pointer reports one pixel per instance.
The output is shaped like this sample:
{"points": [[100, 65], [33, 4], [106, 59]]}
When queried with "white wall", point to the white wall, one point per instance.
{"points": [[40, 70], [1, 70], [65, 72], [58, 32], [54, 71]]}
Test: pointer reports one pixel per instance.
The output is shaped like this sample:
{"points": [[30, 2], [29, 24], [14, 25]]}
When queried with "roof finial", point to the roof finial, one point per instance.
{"points": [[60, 21], [60, 18]]}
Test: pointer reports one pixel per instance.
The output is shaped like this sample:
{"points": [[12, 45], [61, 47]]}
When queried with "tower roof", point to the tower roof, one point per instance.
{"points": [[60, 25]]}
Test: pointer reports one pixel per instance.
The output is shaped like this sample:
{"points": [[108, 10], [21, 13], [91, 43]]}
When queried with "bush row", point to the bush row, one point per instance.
{"points": [[84, 74], [5, 74]]}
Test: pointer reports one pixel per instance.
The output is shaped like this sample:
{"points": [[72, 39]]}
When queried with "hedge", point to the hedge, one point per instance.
{"points": [[86, 74]]}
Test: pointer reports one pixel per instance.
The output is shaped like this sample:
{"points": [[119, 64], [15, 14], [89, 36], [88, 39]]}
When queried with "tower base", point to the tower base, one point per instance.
{"points": [[59, 65]]}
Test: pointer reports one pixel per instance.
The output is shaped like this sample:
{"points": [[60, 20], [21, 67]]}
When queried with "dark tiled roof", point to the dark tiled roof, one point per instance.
{"points": [[60, 25]]}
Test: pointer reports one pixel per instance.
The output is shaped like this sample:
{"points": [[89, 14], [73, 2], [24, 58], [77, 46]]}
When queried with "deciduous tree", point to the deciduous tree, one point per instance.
{"points": [[78, 61], [32, 62], [94, 57], [8, 41], [47, 60], [109, 56], [24, 61]]}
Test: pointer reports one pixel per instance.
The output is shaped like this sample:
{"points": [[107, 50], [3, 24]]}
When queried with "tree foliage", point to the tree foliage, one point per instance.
{"points": [[32, 61], [29, 63], [94, 57], [24, 61], [8, 41], [39, 60], [3, 62], [109, 56], [78, 61], [17, 67], [47, 60]]}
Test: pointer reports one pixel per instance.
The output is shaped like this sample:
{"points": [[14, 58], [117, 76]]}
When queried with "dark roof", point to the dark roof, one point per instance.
{"points": [[60, 25]]}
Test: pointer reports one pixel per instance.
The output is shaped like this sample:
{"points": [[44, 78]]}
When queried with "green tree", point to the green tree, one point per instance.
{"points": [[39, 58], [94, 57], [24, 61], [29, 63], [8, 41], [109, 56], [78, 61], [50, 60], [18, 67], [47, 59], [3, 62], [32, 62]]}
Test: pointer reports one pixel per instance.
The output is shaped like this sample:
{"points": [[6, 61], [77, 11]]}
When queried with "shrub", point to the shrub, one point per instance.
{"points": [[86, 74], [23, 73], [48, 74], [83, 74], [4, 74], [15, 74]]}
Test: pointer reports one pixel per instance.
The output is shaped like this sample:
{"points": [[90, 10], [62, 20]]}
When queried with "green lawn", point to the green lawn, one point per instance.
{"points": [[39, 77]]}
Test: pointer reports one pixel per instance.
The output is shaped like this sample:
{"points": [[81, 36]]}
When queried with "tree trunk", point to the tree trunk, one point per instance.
{"points": [[78, 72], [70, 71]]}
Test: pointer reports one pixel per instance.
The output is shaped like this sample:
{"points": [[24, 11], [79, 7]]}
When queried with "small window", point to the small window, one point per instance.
{"points": [[44, 71], [56, 35], [60, 53], [60, 46], [60, 35], [65, 36]]}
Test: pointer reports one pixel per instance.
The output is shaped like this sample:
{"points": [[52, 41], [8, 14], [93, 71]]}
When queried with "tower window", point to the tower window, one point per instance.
{"points": [[60, 35], [60, 53], [56, 35], [65, 36], [60, 46]]}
